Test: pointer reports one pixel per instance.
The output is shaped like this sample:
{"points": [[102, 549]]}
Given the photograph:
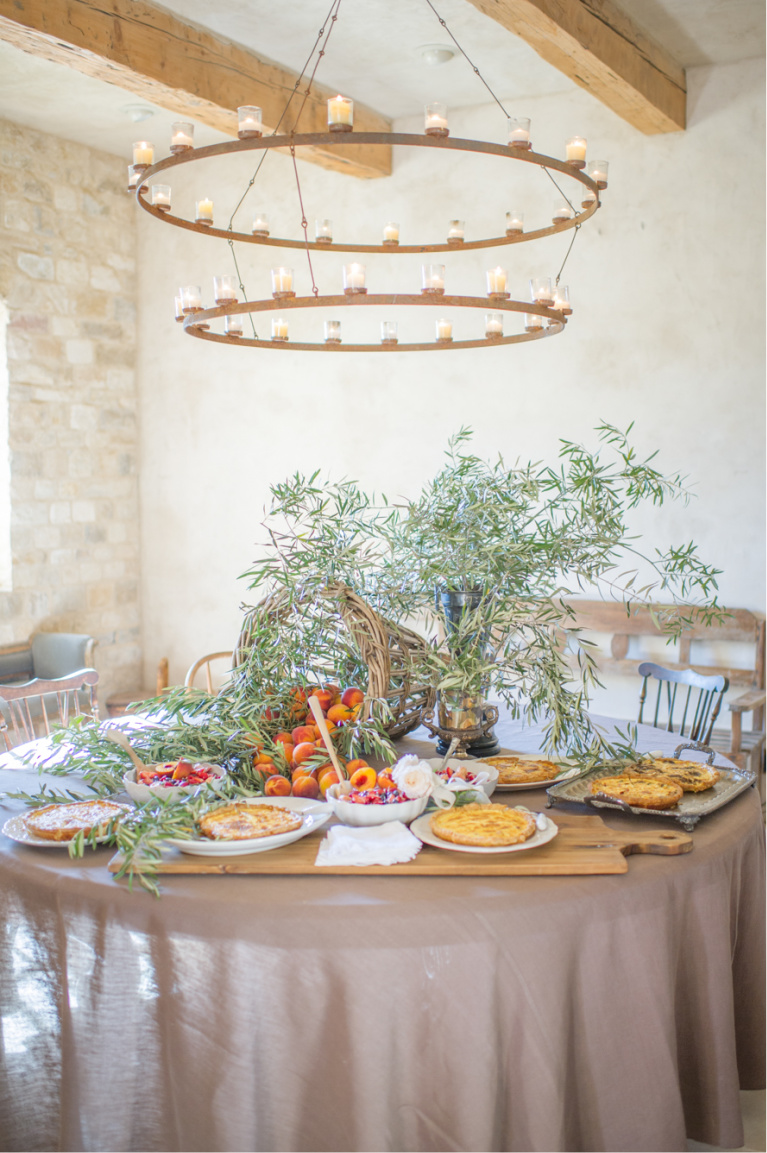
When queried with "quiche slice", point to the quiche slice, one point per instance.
{"points": [[64, 822], [486, 826], [242, 822], [639, 790]]}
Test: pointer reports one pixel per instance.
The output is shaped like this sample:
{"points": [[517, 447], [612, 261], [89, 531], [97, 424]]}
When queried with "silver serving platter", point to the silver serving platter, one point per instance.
{"points": [[687, 811]]}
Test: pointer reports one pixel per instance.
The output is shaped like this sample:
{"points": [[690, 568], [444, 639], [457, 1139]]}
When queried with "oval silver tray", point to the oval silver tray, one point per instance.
{"points": [[688, 811]]}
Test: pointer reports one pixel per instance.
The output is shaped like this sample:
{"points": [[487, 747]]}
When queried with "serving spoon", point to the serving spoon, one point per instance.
{"points": [[121, 740]]}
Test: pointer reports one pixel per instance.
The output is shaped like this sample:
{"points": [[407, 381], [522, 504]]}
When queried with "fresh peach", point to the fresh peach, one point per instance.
{"points": [[277, 786], [339, 713], [352, 697], [262, 759], [364, 779], [385, 782], [324, 698], [306, 787], [356, 764], [327, 780], [287, 750], [303, 733], [303, 752], [284, 737], [303, 772]]}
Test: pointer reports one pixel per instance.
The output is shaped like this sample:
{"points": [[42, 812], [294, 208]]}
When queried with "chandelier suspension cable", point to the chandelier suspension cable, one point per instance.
{"points": [[466, 57], [333, 16], [576, 230], [315, 289]]}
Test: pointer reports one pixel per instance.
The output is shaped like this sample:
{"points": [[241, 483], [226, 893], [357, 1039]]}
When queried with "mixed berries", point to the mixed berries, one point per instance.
{"points": [[181, 774]]}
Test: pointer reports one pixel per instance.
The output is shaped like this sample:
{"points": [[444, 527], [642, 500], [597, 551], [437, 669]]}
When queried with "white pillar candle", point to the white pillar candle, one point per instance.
{"points": [[161, 197], [340, 114], [494, 324], [332, 331], [260, 224], [279, 328], [143, 153], [191, 298], [433, 278], [444, 330], [204, 211], [354, 278], [435, 120], [233, 325], [282, 281], [496, 281], [249, 122], [181, 136], [515, 223], [519, 132], [224, 289], [575, 153], [391, 233], [456, 231]]}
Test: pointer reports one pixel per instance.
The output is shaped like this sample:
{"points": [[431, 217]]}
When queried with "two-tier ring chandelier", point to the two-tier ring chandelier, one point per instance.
{"points": [[545, 314]]}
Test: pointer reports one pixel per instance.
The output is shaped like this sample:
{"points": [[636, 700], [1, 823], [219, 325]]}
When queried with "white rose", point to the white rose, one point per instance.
{"points": [[413, 777]]}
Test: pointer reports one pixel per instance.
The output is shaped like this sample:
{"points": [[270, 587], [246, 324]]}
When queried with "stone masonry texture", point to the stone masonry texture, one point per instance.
{"points": [[67, 277]]}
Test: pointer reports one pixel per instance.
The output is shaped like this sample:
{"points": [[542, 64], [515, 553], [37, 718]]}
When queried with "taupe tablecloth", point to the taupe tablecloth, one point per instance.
{"points": [[385, 1013]]}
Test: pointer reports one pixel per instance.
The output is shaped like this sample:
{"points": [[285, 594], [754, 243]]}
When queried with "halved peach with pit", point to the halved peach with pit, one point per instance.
{"points": [[364, 779]]}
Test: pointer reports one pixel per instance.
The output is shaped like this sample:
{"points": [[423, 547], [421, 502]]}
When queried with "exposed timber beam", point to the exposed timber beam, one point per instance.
{"points": [[181, 67], [599, 47]]}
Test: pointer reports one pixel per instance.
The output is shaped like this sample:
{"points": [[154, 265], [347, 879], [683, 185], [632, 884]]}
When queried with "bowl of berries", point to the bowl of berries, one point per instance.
{"points": [[459, 774], [373, 798], [170, 781]]}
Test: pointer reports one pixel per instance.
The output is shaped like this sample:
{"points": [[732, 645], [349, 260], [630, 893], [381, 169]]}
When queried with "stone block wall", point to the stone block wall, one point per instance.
{"points": [[67, 278]]}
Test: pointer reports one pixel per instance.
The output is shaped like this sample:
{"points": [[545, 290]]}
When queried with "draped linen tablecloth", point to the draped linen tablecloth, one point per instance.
{"points": [[386, 1013]]}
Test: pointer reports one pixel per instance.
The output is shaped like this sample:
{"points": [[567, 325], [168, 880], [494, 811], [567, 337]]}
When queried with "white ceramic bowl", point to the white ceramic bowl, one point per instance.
{"points": [[361, 815], [474, 767], [140, 793]]}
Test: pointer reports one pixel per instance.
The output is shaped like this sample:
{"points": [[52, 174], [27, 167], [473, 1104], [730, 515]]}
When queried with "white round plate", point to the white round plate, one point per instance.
{"points": [[315, 814], [15, 828], [456, 763], [568, 770], [422, 829]]}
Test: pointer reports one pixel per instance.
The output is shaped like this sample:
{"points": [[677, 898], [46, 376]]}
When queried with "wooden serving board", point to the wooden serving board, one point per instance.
{"points": [[584, 844]]}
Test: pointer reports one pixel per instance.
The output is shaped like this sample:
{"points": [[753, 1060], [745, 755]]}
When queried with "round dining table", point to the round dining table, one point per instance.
{"points": [[360, 1012]]}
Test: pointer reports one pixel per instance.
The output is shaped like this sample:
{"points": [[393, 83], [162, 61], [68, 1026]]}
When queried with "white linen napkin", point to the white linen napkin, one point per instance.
{"points": [[388, 844]]}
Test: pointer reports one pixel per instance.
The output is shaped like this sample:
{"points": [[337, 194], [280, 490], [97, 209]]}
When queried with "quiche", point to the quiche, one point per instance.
{"points": [[691, 775], [516, 771], [241, 822], [64, 822], [639, 790], [486, 826]]}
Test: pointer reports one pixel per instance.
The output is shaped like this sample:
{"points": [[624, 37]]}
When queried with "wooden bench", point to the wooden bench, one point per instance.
{"points": [[741, 627]]}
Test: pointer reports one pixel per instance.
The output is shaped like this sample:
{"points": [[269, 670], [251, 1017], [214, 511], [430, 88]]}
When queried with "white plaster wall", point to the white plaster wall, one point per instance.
{"points": [[667, 283]]}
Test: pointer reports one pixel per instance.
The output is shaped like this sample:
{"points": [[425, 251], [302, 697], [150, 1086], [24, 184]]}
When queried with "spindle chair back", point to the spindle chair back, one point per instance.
{"points": [[699, 705], [29, 710]]}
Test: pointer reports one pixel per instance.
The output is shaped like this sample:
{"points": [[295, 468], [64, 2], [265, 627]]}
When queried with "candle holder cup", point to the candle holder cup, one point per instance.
{"points": [[249, 122], [436, 120], [181, 136], [519, 132]]}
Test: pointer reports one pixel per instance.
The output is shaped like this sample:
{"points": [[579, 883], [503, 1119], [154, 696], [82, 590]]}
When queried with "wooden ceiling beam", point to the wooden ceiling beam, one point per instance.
{"points": [[181, 67], [598, 46]]}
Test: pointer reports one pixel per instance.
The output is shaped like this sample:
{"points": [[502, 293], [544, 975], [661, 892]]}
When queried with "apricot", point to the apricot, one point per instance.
{"points": [[306, 787], [352, 697], [339, 713], [327, 780], [303, 733], [356, 764], [364, 779], [277, 786], [303, 752]]}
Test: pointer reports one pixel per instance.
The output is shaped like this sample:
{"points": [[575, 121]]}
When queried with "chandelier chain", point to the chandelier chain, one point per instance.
{"points": [[315, 289], [576, 230], [242, 286], [466, 57], [333, 15]]}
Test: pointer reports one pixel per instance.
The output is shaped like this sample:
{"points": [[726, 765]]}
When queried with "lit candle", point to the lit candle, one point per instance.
{"points": [[433, 278], [436, 120], [533, 321], [562, 300], [354, 278], [515, 223], [323, 231], [204, 212], [133, 176], [279, 328], [161, 197], [576, 152], [282, 282], [249, 122], [519, 132], [233, 325], [540, 290], [143, 154], [340, 114], [496, 282], [391, 233], [444, 330], [332, 332], [224, 289], [493, 325], [597, 170], [455, 232], [588, 198], [179, 307], [562, 211], [191, 299], [260, 224], [181, 136], [388, 332]]}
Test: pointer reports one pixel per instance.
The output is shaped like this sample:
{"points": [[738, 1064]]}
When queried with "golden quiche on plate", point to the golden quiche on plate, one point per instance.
{"points": [[691, 775], [639, 790], [64, 822], [486, 826], [518, 770], [241, 822]]}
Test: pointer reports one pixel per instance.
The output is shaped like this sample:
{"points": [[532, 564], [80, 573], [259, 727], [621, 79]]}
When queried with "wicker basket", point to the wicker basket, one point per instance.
{"points": [[384, 647]]}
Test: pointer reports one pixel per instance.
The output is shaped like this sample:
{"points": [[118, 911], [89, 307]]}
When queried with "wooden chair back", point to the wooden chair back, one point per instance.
{"points": [[205, 662], [28, 709], [699, 705]]}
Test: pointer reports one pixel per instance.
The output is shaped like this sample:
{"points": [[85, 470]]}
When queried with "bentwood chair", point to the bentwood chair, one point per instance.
{"points": [[699, 705], [27, 710], [205, 663]]}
